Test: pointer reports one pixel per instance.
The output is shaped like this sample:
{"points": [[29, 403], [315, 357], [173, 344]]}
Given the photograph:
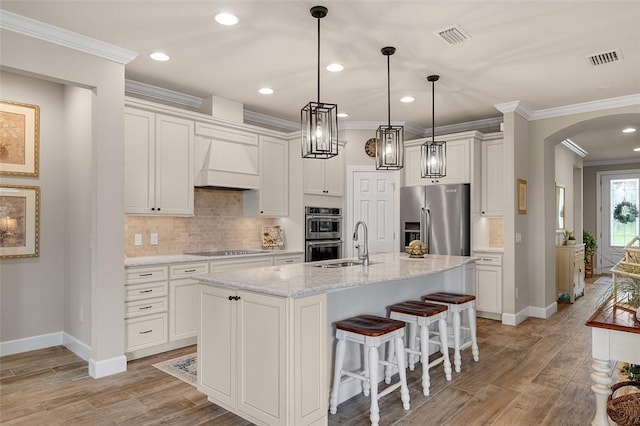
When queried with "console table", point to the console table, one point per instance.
{"points": [[615, 337]]}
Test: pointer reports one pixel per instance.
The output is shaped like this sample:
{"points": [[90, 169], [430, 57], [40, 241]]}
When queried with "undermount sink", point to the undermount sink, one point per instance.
{"points": [[342, 264]]}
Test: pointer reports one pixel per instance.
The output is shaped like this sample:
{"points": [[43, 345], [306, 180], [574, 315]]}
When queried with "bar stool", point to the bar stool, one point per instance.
{"points": [[456, 304], [420, 314], [371, 332]]}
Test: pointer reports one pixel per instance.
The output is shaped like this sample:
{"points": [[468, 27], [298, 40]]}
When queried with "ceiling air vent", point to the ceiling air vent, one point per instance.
{"points": [[453, 35], [605, 58]]}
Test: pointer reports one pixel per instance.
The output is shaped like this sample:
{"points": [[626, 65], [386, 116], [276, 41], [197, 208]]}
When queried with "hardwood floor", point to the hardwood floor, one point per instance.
{"points": [[537, 373]]}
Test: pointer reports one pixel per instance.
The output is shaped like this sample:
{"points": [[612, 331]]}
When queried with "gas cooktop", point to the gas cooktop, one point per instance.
{"points": [[226, 252]]}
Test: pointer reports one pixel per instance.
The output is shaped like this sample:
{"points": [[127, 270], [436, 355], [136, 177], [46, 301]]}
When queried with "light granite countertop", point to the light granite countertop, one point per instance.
{"points": [[305, 279], [180, 258]]}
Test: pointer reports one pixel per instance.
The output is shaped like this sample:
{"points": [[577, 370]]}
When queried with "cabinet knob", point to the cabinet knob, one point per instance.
{"points": [[230, 297], [261, 211], [153, 209]]}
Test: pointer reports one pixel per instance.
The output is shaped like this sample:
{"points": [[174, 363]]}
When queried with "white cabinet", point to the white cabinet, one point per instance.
{"points": [[243, 263], [158, 170], [488, 284], [272, 199], [458, 155], [288, 259], [145, 308], [324, 177], [184, 307], [569, 272], [492, 181], [226, 157], [246, 361]]}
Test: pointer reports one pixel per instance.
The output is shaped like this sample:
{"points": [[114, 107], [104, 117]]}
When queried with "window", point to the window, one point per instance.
{"points": [[623, 190]]}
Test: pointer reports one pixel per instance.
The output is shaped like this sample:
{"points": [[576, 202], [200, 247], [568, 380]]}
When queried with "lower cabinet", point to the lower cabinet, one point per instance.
{"points": [[288, 259], [250, 351], [569, 272], [489, 285], [184, 310]]}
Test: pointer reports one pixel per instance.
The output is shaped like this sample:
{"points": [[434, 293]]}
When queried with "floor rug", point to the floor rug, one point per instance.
{"points": [[606, 280], [183, 368]]}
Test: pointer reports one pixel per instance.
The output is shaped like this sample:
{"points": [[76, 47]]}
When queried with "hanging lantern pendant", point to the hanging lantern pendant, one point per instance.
{"points": [[433, 159], [319, 121], [389, 139]]}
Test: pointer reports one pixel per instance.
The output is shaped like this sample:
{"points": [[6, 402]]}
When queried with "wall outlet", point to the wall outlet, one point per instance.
{"points": [[137, 240], [154, 238]]}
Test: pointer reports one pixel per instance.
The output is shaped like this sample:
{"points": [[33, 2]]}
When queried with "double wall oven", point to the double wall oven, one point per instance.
{"points": [[323, 233]]}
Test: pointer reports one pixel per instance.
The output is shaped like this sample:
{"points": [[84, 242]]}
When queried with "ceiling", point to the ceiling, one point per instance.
{"points": [[531, 51]]}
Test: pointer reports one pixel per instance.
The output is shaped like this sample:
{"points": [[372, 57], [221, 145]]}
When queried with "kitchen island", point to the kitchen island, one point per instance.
{"points": [[265, 342]]}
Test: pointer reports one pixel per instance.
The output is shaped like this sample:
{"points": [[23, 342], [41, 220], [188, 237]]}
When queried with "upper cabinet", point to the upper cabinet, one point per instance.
{"points": [[325, 177], [226, 157], [492, 180], [272, 199], [158, 164], [459, 150]]}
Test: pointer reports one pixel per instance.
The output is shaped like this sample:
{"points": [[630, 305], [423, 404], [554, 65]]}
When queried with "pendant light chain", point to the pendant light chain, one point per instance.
{"points": [[433, 110], [389, 90], [318, 19], [389, 139]]}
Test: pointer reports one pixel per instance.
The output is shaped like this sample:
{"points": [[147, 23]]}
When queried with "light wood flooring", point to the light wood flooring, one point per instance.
{"points": [[534, 374]]}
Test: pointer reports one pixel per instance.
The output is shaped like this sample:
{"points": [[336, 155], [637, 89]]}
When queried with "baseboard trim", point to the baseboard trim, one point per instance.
{"points": [[517, 318], [544, 313], [107, 367], [33, 343], [76, 346]]}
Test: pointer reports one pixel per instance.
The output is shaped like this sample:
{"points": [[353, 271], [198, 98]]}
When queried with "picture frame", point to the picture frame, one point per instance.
{"points": [[19, 221], [19, 139], [522, 196]]}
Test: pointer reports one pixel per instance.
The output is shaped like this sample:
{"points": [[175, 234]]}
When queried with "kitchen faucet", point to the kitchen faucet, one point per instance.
{"points": [[364, 253]]}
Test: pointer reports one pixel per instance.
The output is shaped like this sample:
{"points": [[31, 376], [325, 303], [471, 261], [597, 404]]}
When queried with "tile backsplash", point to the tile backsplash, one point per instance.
{"points": [[218, 224], [496, 232]]}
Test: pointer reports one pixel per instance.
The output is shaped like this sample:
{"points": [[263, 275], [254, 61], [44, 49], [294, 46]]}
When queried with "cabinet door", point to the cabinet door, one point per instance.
{"points": [[184, 308], [262, 357], [489, 288], [274, 177], [334, 176], [217, 354], [492, 188], [458, 162], [314, 176], [139, 166], [174, 165], [412, 170]]}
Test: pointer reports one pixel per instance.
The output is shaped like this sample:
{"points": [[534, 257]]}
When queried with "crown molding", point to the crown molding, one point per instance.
{"points": [[466, 126], [600, 105], [610, 162], [518, 107], [56, 35], [577, 149], [155, 92], [278, 123]]}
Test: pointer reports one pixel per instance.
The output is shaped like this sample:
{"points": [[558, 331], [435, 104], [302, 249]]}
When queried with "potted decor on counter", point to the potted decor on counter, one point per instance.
{"points": [[569, 238], [590, 247]]}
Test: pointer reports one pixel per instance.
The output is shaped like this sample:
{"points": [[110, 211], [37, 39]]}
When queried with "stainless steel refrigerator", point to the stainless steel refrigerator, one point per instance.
{"points": [[438, 215]]}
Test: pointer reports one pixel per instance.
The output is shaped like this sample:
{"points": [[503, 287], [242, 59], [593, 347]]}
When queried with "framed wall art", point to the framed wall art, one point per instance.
{"points": [[19, 139], [522, 196], [19, 221]]}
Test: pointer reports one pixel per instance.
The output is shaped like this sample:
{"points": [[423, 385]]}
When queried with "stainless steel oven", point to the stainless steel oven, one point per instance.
{"points": [[323, 233], [323, 223]]}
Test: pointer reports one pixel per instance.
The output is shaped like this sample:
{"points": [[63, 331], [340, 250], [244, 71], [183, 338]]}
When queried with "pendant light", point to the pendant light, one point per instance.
{"points": [[433, 153], [389, 139], [319, 120]]}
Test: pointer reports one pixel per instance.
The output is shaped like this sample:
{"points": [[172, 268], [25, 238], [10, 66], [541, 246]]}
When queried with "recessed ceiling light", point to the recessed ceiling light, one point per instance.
{"points": [[636, 149], [266, 91], [225, 18], [629, 130], [335, 67], [159, 56], [407, 99], [342, 115]]}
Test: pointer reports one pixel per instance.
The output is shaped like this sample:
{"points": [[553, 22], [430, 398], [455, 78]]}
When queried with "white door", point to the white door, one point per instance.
{"points": [[374, 202], [618, 190]]}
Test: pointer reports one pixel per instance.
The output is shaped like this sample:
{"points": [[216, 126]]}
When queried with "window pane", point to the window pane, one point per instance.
{"points": [[623, 190]]}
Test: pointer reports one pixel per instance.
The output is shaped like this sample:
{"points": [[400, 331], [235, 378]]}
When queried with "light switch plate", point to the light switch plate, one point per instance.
{"points": [[154, 238], [518, 237], [137, 239]]}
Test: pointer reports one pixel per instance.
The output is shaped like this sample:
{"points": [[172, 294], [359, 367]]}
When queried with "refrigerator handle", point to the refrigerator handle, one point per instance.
{"points": [[425, 225]]}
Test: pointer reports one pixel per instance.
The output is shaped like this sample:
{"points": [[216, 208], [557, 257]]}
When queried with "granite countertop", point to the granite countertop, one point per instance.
{"points": [[179, 258], [305, 279]]}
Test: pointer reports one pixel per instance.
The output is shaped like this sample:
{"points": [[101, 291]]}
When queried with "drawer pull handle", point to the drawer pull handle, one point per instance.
{"points": [[488, 259], [190, 270], [145, 275], [145, 332], [146, 291], [234, 297], [145, 307], [288, 261]]}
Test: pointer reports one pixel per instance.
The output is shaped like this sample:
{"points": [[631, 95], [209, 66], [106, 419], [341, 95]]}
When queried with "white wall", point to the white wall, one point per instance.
{"points": [[105, 80]]}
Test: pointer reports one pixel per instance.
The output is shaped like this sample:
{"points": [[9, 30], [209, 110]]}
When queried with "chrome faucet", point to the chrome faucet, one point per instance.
{"points": [[363, 249]]}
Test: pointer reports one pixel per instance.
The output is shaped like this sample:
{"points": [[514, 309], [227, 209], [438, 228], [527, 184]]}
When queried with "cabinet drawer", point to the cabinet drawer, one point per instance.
{"points": [[145, 307], [288, 260], [488, 259], [187, 269], [145, 275], [228, 265], [145, 291], [146, 331]]}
